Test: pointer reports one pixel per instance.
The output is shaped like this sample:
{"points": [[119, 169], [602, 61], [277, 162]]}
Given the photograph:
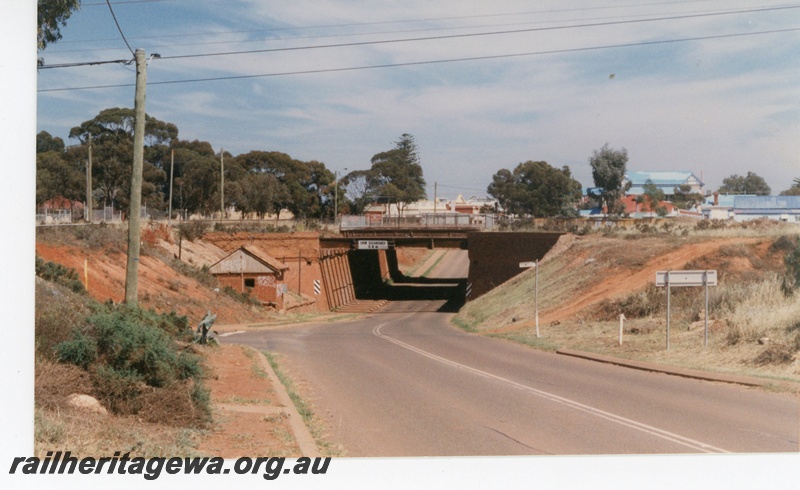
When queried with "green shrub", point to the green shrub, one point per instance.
{"points": [[102, 236], [192, 229], [59, 274], [792, 277], [784, 243], [201, 397], [127, 345], [80, 351]]}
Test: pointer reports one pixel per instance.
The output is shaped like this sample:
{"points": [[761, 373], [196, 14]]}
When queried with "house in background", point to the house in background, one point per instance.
{"points": [[474, 205], [718, 206], [666, 181], [638, 210], [251, 270]]}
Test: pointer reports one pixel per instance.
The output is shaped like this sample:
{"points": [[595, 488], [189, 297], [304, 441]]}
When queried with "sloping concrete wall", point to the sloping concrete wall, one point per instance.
{"points": [[494, 257]]}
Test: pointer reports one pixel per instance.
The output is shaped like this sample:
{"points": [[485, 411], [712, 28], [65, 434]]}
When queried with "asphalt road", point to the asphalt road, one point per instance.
{"points": [[404, 382]]}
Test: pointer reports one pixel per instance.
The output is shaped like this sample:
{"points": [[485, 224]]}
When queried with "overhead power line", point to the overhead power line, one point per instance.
{"points": [[121, 2], [405, 21], [489, 33], [431, 62], [119, 28], [449, 36]]}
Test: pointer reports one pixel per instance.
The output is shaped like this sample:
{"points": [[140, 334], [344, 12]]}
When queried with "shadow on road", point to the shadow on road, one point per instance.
{"points": [[448, 293]]}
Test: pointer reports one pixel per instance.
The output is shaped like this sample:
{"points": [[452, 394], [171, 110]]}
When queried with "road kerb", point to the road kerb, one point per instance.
{"points": [[305, 441], [683, 372]]}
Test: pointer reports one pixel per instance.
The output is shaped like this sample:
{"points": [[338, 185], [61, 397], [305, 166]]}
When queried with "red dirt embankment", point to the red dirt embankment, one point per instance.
{"points": [[161, 287], [618, 283]]}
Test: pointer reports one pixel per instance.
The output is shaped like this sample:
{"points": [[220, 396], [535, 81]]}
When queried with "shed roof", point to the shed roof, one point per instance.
{"points": [[661, 178], [237, 261], [767, 202]]}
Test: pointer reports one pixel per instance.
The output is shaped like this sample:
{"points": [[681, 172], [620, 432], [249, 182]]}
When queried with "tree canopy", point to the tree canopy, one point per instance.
{"points": [[536, 189], [608, 172], [652, 198], [396, 174], [749, 184], [52, 16], [684, 198], [794, 190]]}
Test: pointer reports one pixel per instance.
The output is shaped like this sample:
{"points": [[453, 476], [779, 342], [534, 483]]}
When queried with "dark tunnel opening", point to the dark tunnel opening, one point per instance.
{"points": [[371, 283]]}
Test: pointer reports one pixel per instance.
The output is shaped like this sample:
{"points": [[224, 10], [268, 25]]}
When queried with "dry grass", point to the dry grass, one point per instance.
{"points": [[96, 435], [58, 426]]}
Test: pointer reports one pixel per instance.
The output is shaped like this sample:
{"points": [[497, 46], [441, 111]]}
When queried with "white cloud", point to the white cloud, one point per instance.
{"points": [[718, 106]]}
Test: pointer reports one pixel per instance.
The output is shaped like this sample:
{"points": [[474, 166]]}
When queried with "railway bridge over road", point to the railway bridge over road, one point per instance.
{"points": [[328, 272], [371, 259]]}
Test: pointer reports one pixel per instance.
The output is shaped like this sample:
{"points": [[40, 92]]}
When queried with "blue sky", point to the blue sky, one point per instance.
{"points": [[712, 106]]}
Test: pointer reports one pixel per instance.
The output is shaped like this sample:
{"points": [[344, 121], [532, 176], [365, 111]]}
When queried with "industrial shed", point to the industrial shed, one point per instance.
{"points": [[251, 270], [781, 208]]}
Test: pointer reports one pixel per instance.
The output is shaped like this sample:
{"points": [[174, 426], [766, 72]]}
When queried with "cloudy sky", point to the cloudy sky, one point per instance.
{"points": [[708, 86]]}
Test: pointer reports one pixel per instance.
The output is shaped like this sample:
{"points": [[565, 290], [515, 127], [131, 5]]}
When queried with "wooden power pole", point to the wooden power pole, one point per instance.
{"points": [[171, 173], [134, 213], [87, 213], [221, 185]]}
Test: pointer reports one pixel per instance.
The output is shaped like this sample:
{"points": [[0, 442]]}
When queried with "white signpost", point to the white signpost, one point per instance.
{"points": [[671, 279], [686, 278], [528, 265], [372, 245]]}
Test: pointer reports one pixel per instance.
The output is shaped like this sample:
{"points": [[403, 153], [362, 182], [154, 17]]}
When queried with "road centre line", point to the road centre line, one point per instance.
{"points": [[648, 429]]}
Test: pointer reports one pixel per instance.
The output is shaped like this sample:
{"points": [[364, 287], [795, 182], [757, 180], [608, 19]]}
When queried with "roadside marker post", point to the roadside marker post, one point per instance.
{"points": [[528, 265], [671, 279], [621, 320]]}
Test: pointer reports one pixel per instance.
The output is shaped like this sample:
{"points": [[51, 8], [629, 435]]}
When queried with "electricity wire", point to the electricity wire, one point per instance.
{"points": [[450, 36], [431, 62], [119, 28]]}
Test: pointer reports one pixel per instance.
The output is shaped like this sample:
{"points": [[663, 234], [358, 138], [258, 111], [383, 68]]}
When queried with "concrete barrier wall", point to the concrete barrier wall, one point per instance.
{"points": [[494, 257]]}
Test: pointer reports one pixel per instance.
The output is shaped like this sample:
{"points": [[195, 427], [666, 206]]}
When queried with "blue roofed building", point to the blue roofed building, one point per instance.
{"points": [[666, 181], [781, 208]]}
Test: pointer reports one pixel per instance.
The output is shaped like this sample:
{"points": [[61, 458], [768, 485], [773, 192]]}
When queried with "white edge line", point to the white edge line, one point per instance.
{"points": [[663, 434]]}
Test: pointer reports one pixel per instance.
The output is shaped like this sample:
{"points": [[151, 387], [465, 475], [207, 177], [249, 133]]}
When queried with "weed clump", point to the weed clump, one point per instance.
{"points": [[57, 273], [192, 230], [134, 362], [641, 304], [777, 354], [792, 276]]}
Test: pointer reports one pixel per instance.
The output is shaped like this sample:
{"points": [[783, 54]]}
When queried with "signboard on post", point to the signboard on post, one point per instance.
{"points": [[686, 278], [372, 245], [527, 265]]}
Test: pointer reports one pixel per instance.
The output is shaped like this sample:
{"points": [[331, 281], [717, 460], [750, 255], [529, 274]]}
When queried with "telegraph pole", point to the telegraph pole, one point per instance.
{"points": [[134, 213], [221, 185], [88, 211], [335, 196], [171, 173]]}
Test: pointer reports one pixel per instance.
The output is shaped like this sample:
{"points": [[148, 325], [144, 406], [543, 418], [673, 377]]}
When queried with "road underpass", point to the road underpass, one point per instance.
{"points": [[364, 263]]}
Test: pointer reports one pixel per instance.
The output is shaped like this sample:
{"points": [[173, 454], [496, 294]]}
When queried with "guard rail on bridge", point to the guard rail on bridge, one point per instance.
{"points": [[430, 220]]}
